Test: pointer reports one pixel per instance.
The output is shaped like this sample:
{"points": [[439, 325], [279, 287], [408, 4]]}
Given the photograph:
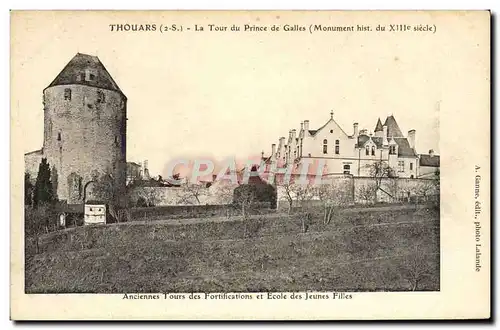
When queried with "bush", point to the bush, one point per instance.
{"points": [[257, 195]]}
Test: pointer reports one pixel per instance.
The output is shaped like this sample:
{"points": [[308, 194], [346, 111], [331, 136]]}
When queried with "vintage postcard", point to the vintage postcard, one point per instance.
{"points": [[250, 165]]}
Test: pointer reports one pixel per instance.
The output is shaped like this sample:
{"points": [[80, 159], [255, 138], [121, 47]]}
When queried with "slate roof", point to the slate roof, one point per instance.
{"points": [[313, 131], [392, 127], [378, 127], [404, 149], [427, 160], [74, 73]]}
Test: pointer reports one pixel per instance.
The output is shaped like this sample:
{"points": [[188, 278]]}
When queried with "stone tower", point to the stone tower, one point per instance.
{"points": [[85, 116]]}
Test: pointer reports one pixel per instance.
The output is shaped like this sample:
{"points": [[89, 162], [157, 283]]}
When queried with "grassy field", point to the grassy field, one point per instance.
{"points": [[357, 251]]}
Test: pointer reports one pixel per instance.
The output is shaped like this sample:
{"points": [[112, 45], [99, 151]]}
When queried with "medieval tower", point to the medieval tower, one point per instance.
{"points": [[85, 116]]}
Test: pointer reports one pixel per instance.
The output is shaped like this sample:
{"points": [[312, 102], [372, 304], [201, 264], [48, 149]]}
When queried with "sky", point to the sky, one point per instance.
{"points": [[219, 95]]}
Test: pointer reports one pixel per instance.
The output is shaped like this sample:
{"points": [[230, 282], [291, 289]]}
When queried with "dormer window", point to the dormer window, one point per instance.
{"points": [[67, 94], [392, 150], [367, 150], [325, 146], [337, 147], [373, 150]]}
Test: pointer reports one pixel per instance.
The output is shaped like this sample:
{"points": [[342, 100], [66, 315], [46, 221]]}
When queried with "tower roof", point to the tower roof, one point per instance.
{"points": [[378, 127], [87, 70], [393, 129]]}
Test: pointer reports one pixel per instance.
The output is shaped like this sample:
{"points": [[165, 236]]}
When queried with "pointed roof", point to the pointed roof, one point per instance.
{"points": [[393, 129], [314, 132], [378, 127], [74, 73]]}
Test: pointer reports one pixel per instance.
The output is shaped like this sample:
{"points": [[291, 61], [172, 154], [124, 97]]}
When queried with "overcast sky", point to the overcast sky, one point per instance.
{"points": [[233, 94]]}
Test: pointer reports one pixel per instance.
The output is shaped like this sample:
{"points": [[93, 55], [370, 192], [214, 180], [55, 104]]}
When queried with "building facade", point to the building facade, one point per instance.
{"points": [[351, 153], [85, 122]]}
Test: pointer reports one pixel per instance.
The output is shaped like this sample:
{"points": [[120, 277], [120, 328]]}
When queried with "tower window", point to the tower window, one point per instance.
{"points": [[90, 75], [337, 147], [392, 150], [373, 150], [59, 136], [67, 94], [325, 146], [411, 166], [101, 97]]}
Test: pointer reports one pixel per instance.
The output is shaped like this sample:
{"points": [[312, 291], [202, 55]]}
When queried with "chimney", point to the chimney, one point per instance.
{"points": [[411, 138], [306, 125], [294, 132], [289, 134], [384, 139], [273, 149], [355, 129], [431, 153], [301, 125]]}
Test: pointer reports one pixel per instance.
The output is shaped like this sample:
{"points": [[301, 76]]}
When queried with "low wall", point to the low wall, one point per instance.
{"points": [[348, 190]]}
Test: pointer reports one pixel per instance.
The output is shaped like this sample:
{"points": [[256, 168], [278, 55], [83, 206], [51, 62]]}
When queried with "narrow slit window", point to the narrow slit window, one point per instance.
{"points": [[101, 98], [67, 94], [325, 146], [373, 151], [59, 136], [337, 147]]}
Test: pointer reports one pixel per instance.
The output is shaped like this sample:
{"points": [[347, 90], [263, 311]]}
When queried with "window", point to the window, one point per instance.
{"points": [[411, 166], [401, 166], [100, 97], [325, 146], [331, 131], [373, 150], [337, 147], [367, 150], [59, 136], [90, 75], [347, 169], [90, 209], [392, 150], [67, 94]]}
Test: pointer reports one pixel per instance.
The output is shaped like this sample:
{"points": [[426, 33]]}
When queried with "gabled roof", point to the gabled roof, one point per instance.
{"points": [[404, 149], [428, 160], [314, 132], [74, 73], [378, 127], [392, 127]]}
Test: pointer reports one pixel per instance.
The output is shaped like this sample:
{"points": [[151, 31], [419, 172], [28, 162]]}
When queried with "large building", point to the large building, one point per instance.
{"points": [[85, 123], [353, 153]]}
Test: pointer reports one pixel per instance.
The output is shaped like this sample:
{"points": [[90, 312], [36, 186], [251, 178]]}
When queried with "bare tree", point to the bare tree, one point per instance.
{"points": [[246, 200], [415, 268], [333, 197], [394, 188], [378, 171], [191, 193], [367, 192], [304, 194]]}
